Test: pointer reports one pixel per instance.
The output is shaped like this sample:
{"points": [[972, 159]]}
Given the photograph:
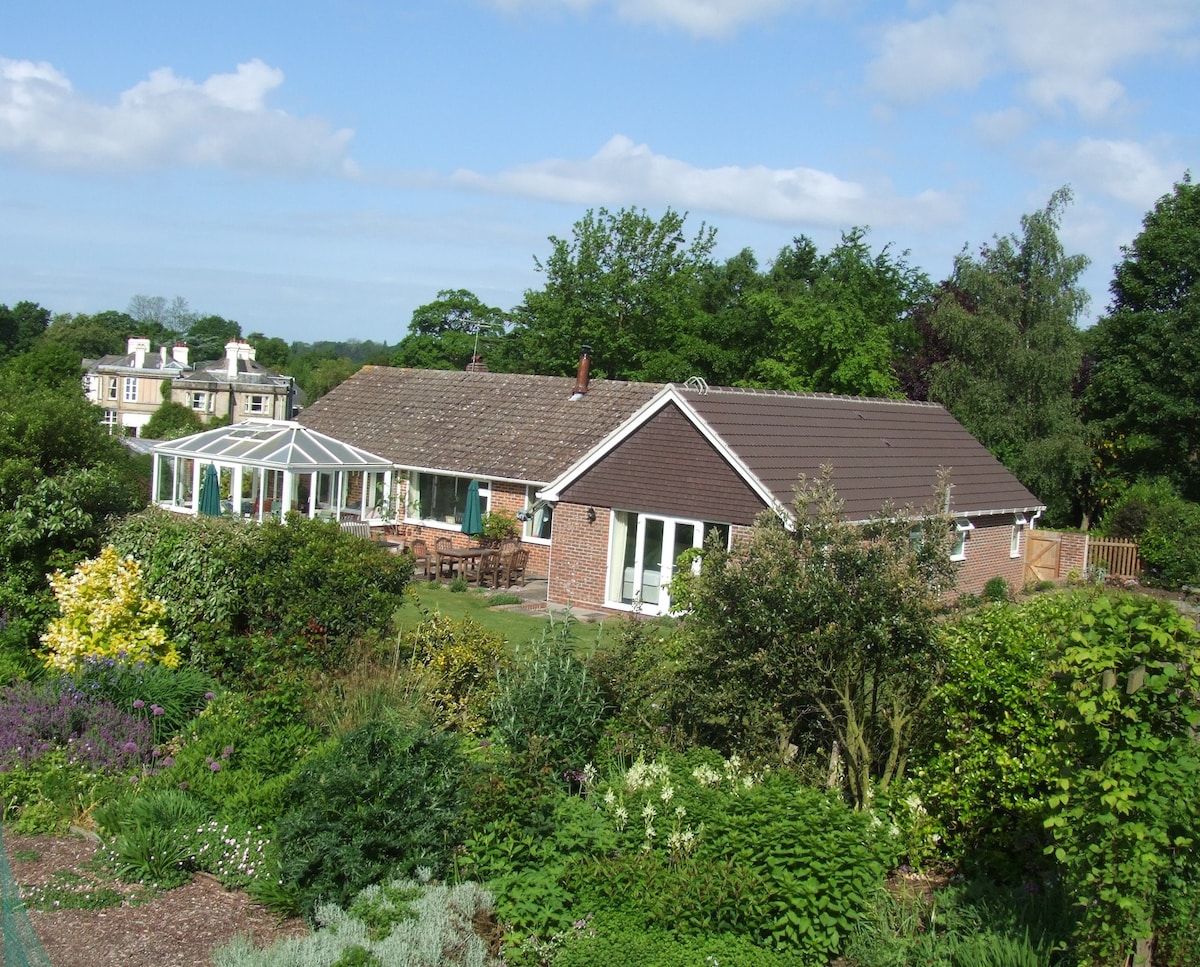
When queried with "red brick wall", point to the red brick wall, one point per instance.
{"points": [[579, 556], [988, 547]]}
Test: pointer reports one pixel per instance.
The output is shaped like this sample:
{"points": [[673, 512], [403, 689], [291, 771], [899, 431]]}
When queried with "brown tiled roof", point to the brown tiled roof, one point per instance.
{"points": [[497, 425], [881, 451]]}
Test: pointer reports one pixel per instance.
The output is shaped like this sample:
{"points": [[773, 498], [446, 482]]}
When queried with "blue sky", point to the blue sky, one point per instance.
{"points": [[318, 170]]}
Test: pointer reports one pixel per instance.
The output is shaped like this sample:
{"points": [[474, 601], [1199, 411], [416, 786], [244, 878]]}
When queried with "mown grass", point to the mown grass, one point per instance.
{"points": [[516, 627]]}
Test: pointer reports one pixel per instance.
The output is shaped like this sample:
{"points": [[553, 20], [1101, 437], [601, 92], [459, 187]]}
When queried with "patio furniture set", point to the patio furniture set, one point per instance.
{"points": [[494, 567]]}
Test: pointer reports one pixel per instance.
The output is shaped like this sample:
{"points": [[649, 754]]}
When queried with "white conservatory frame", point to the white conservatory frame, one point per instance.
{"points": [[276, 467]]}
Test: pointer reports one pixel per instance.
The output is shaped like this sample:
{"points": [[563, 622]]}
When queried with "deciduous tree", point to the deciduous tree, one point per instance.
{"points": [[1144, 393], [1008, 321], [820, 633], [625, 284]]}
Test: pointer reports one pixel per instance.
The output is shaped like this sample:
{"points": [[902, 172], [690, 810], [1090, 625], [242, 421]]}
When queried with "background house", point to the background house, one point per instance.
{"points": [[616, 479], [130, 386]]}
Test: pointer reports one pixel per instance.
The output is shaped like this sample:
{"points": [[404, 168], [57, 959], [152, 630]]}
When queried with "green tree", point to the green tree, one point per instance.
{"points": [[20, 327], [1144, 393], [820, 633], [624, 284], [206, 337], [91, 336], [1008, 322], [446, 333], [63, 479], [830, 323], [171, 421], [271, 351]]}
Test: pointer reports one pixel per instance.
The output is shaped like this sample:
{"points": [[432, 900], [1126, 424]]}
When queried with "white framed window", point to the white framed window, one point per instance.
{"points": [[112, 387], [1020, 522], [258, 404], [962, 527], [131, 389], [200, 401], [110, 421], [442, 498], [644, 550], [537, 517]]}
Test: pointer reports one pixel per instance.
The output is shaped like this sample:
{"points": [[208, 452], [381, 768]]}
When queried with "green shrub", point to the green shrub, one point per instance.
{"points": [[619, 945], [975, 924], [50, 794], [997, 590], [165, 697], [1166, 528], [380, 801], [546, 704], [987, 775], [252, 602], [1125, 813], [818, 862], [236, 760]]}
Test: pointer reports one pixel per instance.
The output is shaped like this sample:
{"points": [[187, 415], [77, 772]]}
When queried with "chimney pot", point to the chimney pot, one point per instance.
{"points": [[582, 377]]}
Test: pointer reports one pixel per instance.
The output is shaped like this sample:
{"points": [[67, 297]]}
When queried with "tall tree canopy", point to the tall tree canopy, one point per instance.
{"points": [[92, 336], [1143, 398], [62, 479], [831, 323], [626, 285], [20, 327], [1007, 323], [206, 337], [446, 333]]}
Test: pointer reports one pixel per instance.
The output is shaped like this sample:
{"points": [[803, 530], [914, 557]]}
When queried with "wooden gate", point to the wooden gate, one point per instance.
{"points": [[1041, 556]]}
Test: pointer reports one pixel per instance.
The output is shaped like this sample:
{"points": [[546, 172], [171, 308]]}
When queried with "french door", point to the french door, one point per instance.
{"points": [[642, 558]]}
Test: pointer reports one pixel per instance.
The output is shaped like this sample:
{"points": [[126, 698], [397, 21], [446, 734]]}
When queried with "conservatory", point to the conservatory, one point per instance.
{"points": [[268, 469]]}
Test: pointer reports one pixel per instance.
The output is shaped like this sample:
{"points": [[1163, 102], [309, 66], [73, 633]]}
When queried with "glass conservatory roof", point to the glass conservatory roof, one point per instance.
{"points": [[275, 444]]}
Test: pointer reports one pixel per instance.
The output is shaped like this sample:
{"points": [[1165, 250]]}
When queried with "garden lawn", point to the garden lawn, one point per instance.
{"points": [[516, 627]]}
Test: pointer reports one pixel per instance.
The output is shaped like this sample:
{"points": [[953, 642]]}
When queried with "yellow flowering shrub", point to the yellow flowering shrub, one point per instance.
{"points": [[460, 660], [105, 612]]}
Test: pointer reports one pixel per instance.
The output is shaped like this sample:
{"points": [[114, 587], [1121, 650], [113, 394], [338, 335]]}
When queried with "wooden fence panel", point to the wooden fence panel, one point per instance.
{"points": [[1119, 558]]}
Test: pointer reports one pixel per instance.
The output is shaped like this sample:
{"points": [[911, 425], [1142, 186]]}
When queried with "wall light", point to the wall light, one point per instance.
{"points": [[591, 515]]}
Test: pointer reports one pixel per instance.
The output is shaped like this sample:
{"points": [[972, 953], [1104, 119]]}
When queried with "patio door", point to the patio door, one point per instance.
{"points": [[644, 550]]}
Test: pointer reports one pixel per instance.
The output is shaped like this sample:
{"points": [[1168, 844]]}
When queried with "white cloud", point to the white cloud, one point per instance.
{"points": [[624, 173], [162, 122], [705, 18], [1066, 49], [1124, 170]]}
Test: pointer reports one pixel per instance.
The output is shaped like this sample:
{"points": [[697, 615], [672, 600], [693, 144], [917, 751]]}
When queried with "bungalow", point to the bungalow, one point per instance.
{"points": [[615, 480]]}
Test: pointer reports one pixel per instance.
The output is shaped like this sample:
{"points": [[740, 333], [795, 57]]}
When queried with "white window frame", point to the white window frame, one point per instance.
{"points": [[537, 518], [962, 528], [258, 404], [200, 401], [112, 388], [416, 514], [1020, 522], [130, 390], [615, 572], [111, 420]]}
